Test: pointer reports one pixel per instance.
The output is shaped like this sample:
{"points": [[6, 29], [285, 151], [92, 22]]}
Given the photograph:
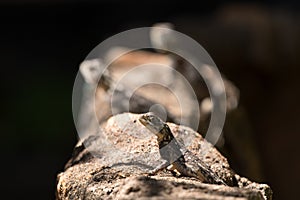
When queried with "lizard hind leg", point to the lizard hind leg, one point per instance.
{"points": [[174, 170]]}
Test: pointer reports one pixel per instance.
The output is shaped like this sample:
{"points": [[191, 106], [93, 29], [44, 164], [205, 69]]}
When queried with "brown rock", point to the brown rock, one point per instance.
{"points": [[115, 163]]}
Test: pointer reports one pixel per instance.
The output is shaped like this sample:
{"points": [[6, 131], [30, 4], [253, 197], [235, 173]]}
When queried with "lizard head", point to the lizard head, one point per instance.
{"points": [[153, 123]]}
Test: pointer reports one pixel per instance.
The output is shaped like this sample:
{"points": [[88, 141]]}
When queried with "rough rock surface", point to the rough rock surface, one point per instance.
{"points": [[114, 164]]}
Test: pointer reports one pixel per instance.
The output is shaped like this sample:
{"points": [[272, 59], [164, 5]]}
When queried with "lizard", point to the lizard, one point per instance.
{"points": [[169, 149]]}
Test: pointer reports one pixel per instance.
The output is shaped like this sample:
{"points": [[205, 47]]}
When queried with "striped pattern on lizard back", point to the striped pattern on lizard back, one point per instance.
{"points": [[169, 150]]}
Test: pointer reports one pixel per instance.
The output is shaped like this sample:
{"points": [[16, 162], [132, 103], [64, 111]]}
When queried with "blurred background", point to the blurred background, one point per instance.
{"points": [[255, 44]]}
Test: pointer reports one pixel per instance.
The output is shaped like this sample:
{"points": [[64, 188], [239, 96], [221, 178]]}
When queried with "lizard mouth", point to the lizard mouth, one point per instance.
{"points": [[148, 123]]}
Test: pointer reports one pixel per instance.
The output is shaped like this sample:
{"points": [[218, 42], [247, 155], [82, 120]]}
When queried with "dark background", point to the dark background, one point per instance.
{"points": [[256, 45]]}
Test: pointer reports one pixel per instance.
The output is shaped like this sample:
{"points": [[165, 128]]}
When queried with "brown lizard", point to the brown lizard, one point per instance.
{"points": [[169, 150]]}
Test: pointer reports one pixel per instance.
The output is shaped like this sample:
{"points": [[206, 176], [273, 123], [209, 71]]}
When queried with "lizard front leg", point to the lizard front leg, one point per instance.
{"points": [[159, 168]]}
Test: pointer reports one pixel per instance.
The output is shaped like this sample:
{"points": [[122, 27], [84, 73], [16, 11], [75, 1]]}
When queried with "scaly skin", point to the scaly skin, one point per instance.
{"points": [[169, 150]]}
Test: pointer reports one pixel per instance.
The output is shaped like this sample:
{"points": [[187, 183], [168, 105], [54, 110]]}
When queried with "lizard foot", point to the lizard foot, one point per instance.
{"points": [[159, 168]]}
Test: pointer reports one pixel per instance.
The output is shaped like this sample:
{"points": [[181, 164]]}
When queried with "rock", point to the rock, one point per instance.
{"points": [[237, 140], [115, 164]]}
